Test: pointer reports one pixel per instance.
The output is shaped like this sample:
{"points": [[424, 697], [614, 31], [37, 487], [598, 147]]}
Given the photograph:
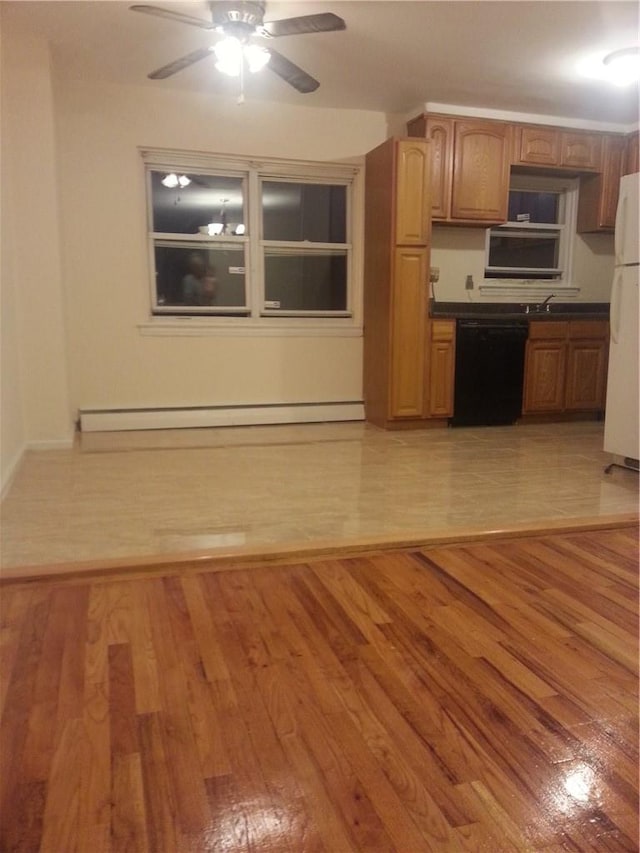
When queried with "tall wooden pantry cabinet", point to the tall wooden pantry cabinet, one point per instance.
{"points": [[396, 282]]}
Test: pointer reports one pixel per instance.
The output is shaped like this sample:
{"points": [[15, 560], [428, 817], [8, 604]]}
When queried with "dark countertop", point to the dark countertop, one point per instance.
{"points": [[516, 310]]}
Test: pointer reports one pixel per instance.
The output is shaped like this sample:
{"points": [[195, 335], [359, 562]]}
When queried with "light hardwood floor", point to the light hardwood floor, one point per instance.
{"points": [[126, 496], [471, 697]]}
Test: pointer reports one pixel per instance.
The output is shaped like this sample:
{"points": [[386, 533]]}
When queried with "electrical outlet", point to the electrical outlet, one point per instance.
{"points": [[468, 283], [434, 274]]}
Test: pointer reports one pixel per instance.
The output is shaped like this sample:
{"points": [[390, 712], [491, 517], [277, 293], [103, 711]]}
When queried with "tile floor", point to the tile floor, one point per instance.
{"points": [[118, 495]]}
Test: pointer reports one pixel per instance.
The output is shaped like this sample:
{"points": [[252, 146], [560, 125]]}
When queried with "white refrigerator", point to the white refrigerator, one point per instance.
{"points": [[621, 425]]}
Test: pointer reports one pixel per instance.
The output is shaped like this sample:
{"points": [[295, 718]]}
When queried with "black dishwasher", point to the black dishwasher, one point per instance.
{"points": [[489, 371]]}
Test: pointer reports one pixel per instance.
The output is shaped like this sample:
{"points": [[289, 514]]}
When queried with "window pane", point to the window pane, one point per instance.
{"points": [[208, 199], [189, 276], [526, 252], [530, 206], [311, 281], [314, 212]]}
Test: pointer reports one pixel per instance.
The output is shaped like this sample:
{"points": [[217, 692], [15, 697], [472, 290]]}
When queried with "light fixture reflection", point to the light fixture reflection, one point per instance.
{"points": [[230, 53], [172, 180], [623, 66], [579, 782]]}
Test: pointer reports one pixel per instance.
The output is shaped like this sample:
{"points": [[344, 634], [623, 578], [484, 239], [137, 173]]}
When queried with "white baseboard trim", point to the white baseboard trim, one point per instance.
{"points": [[212, 416]]}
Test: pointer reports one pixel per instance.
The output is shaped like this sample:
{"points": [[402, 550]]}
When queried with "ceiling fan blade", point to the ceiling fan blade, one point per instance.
{"points": [[174, 16], [326, 22], [291, 73], [179, 64]]}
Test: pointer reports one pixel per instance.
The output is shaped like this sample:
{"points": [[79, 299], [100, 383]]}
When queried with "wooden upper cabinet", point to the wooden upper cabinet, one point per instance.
{"points": [[578, 150], [439, 132], [598, 198], [536, 146], [581, 150], [470, 160], [413, 210], [480, 189], [632, 155]]}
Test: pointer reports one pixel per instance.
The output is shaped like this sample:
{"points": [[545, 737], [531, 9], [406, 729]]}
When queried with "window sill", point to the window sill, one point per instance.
{"points": [[197, 327], [529, 291]]}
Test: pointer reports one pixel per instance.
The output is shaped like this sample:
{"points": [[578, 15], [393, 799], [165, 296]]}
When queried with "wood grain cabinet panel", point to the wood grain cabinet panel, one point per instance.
{"points": [[566, 366], [470, 161], [581, 150], [396, 272], [598, 197], [632, 154], [412, 201], [441, 368], [480, 188], [545, 365], [409, 313], [440, 135], [538, 146], [586, 375]]}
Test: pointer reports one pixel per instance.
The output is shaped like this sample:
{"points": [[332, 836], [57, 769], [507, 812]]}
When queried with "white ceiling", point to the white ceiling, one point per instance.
{"points": [[393, 57]]}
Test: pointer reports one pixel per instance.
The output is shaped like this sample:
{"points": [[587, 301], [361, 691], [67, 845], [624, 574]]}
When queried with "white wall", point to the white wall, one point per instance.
{"points": [[112, 364], [35, 407], [459, 252]]}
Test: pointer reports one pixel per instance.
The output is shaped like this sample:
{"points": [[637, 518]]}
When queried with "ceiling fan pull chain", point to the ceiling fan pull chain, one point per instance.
{"points": [[241, 97]]}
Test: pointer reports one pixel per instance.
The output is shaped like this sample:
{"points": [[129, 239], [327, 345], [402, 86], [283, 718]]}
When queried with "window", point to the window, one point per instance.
{"points": [[236, 239], [535, 243]]}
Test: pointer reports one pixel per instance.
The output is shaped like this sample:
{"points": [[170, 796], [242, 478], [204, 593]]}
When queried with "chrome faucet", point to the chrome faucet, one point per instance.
{"points": [[544, 306]]}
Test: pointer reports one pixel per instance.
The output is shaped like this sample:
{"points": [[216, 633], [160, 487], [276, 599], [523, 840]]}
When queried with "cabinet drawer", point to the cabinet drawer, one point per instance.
{"points": [[598, 329], [443, 330], [548, 329]]}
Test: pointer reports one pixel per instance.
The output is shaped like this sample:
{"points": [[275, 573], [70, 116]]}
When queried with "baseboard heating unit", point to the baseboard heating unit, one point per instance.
{"points": [[113, 420]]}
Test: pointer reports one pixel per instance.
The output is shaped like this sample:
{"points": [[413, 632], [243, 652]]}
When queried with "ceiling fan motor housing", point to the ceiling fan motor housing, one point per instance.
{"points": [[239, 18]]}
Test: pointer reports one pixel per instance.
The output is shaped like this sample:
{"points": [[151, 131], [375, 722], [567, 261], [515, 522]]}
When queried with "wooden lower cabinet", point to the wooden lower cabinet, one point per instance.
{"points": [[566, 366], [586, 375], [545, 367], [442, 360]]}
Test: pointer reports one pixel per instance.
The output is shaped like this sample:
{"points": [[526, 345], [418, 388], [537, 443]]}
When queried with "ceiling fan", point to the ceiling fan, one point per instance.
{"points": [[239, 23]]}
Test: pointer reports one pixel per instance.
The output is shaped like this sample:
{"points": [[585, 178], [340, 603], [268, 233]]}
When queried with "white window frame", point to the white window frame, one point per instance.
{"points": [[565, 228], [256, 318]]}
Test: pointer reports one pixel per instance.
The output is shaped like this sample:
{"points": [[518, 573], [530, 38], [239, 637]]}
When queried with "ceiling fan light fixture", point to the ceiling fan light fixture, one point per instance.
{"points": [[623, 66], [257, 57], [228, 53]]}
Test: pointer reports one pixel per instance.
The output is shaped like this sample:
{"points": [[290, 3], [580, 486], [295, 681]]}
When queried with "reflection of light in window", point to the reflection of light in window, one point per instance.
{"points": [[174, 180]]}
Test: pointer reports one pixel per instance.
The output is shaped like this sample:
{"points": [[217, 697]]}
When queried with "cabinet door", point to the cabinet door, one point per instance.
{"points": [[632, 159], [598, 198], [441, 368], [581, 150], [538, 146], [440, 135], [413, 174], [481, 171], [408, 319], [545, 366], [586, 375]]}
